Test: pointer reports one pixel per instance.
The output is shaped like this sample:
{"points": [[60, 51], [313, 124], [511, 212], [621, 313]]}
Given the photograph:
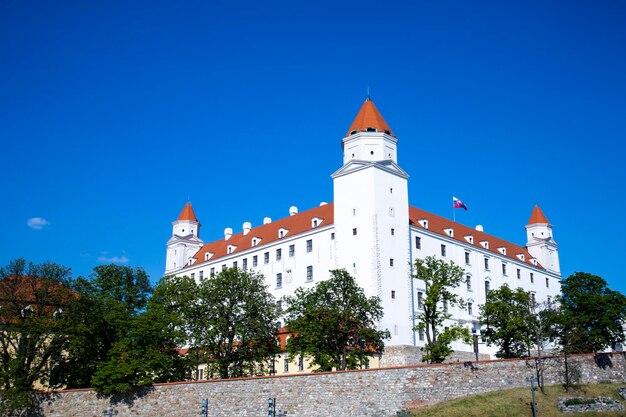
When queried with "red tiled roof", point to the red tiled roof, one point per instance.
{"points": [[537, 216], [267, 233], [301, 222], [187, 213], [438, 224], [369, 117]]}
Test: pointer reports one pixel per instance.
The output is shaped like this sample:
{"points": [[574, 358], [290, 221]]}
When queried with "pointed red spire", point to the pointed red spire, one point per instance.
{"points": [[537, 216], [187, 213], [369, 118]]}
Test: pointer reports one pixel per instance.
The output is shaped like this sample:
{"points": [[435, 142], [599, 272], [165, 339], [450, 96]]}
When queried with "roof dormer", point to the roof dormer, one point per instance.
{"points": [[469, 239], [449, 231], [424, 223], [231, 248], [282, 232], [208, 256], [316, 221], [502, 250], [484, 244], [521, 257], [255, 241]]}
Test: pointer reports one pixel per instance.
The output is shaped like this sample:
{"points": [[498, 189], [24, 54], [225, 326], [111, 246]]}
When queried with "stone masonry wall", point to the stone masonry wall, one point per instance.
{"points": [[373, 392]]}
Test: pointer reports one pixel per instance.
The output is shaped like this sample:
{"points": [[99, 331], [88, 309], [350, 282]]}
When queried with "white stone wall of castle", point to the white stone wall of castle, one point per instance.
{"points": [[369, 203], [455, 251]]}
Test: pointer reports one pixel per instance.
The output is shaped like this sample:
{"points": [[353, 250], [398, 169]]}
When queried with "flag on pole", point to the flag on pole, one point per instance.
{"points": [[456, 203]]}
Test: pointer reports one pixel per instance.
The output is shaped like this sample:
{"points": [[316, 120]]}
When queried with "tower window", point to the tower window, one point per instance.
{"points": [[390, 261], [504, 269], [443, 250], [332, 236], [487, 263], [354, 232], [519, 274], [532, 278], [393, 295], [391, 191], [418, 242], [467, 258], [393, 231], [547, 283]]}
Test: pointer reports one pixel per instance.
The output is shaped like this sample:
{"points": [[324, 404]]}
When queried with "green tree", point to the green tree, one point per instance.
{"points": [[593, 314], [328, 322], [234, 318], [510, 322], [111, 301], [35, 301], [440, 279]]}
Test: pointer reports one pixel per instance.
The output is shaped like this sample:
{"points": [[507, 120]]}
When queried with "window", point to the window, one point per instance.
{"points": [[547, 283], [201, 275], [309, 273], [391, 191], [469, 309], [467, 258], [519, 274], [393, 295], [286, 365], [445, 305], [279, 306], [504, 269], [245, 264], [486, 287], [212, 272], [309, 245], [315, 222], [393, 231], [255, 260], [266, 257], [532, 298], [418, 242], [279, 280], [421, 334], [332, 236], [300, 363], [193, 275], [420, 300], [279, 254], [391, 212], [532, 278], [224, 267], [354, 212], [354, 232], [235, 264], [443, 250], [487, 263], [391, 262], [468, 282], [292, 250]]}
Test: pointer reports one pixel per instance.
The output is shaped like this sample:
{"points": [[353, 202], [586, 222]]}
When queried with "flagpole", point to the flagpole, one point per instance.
{"points": [[453, 211]]}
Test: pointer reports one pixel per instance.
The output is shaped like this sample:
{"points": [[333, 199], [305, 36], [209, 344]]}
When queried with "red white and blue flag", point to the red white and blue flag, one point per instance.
{"points": [[456, 203]]}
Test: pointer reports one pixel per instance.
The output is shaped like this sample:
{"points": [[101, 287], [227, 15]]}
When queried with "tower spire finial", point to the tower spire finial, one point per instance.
{"points": [[368, 93]]}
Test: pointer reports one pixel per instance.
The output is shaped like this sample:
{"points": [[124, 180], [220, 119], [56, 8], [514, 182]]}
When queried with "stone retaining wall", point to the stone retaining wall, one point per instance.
{"points": [[373, 392]]}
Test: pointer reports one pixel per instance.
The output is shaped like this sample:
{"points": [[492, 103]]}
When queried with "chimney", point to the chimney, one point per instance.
{"points": [[293, 210], [228, 232], [246, 228], [267, 220], [479, 227]]}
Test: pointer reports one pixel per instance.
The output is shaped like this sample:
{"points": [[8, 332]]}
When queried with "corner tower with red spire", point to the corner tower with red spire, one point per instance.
{"points": [[371, 218], [540, 242], [185, 240]]}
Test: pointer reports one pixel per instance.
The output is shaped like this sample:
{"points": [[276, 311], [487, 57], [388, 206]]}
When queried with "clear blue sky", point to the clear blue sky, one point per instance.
{"points": [[113, 113]]}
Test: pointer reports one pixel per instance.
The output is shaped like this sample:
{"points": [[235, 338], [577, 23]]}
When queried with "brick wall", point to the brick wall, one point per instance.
{"points": [[374, 392]]}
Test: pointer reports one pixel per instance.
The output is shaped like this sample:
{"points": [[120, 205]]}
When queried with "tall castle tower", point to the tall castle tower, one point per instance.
{"points": [[372, 218], [540, 242], [185, 240]]}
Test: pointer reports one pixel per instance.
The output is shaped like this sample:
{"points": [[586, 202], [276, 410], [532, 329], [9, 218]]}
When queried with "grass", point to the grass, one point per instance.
{"points": [[517, 403]]}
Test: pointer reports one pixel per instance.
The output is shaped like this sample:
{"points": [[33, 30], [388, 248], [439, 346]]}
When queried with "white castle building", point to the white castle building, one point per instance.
{"points": [[371, 230]]}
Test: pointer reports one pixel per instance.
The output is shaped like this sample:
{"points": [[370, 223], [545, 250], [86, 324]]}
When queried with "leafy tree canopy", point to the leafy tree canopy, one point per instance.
{"points": [[593, 313], [440, 279], [328, 322], [510, 321], [35, 303]]}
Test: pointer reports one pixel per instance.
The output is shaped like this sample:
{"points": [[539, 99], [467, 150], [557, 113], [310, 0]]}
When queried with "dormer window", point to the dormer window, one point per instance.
{"points": [[231, 248], [207, 256], [502, 250], [534, 261], [449, 231], [371, 129], [424, 223], [469, 239], [315, 221], [485, 244], [521, 257], [282, 232], [255, 241]]}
